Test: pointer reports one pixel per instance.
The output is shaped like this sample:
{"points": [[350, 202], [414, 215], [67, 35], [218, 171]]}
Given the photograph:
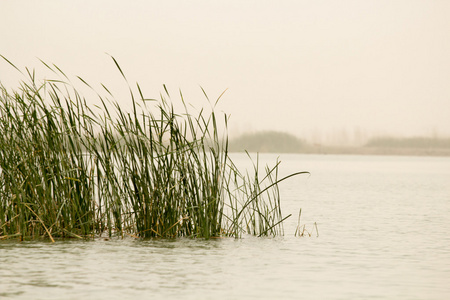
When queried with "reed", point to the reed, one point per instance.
{"points": [[68, 171]]}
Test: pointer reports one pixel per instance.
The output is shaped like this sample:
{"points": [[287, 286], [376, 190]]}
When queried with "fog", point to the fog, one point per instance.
{"points": [[326, 71]]}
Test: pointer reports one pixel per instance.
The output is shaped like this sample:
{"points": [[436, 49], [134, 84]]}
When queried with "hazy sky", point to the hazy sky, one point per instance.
{"points": [[308, 67]]}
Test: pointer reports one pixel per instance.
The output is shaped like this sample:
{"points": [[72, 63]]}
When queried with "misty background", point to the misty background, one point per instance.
{"points": [[327, 72]]}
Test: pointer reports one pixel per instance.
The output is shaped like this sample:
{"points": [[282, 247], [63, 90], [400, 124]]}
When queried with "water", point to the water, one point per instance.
{"points": [[383, 233]]}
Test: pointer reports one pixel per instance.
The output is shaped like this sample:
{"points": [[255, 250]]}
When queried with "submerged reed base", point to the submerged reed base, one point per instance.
{"points": [[67, 171]]}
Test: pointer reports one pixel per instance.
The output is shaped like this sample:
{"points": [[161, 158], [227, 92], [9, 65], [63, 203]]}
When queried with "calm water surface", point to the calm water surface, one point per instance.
{"points": [[383, 233]]}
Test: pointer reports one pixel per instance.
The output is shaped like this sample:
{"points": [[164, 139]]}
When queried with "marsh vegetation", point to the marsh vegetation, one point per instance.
{"points": [[67, 170]]}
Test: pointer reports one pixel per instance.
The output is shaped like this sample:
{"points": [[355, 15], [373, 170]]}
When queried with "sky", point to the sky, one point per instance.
{"points": [[326, 71]]}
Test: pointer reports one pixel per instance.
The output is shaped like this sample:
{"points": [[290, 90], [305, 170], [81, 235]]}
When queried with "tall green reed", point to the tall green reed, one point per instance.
{"points": [[69, 171], [46, 183]]}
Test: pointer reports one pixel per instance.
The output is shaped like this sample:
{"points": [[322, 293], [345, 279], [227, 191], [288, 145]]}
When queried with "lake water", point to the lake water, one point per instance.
{"points": [[383, 233]]}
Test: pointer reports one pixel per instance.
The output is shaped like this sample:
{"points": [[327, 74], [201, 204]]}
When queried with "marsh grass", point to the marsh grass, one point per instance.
{"points": [[68, 171], [301, 229]]}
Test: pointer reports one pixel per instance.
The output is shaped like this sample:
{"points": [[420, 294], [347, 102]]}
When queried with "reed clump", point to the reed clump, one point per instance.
{"points": [[69, 171]]}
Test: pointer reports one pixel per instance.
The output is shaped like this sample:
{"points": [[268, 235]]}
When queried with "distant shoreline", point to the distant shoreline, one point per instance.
{"points": [[374, 151], [281, 142], [366, 151]]}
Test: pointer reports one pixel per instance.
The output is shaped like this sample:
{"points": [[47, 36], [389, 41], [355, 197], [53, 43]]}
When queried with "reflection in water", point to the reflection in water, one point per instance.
{"points": [[383, 225]]}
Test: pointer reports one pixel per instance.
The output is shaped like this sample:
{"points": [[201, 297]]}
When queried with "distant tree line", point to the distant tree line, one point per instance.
{"points": [[412, 142], [282, 142], [267, 141]]}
